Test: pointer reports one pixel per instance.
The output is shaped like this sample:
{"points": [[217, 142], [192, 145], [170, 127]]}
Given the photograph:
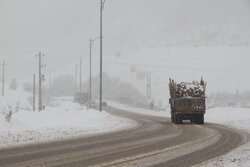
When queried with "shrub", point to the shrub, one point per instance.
{"points": [[10, 110]]}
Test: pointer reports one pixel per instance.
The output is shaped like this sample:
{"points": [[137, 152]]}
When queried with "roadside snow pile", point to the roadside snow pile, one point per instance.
{"points": [[12, 102], [238, 117], [67, 120], [13, 97]]}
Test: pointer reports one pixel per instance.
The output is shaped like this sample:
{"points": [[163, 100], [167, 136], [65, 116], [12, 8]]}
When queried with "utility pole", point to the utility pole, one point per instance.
{"points": [[34, 92], [90, 71], [40, 82], [40, 104], [76, 78], [49, 93], [101, 9], [91, 41], [80, 77], [49, 82], [148, 85], [3, 77]]}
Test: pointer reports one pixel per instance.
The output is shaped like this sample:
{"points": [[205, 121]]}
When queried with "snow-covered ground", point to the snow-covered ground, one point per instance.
{"points": [[140, 110], [63, 120], [234, 117]]}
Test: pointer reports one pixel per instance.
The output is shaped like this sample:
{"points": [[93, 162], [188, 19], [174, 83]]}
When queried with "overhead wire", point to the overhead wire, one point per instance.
{"points": [[174, 67]]}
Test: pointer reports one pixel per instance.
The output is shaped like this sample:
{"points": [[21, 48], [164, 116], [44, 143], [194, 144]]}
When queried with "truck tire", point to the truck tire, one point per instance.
{"points": [[178, 119], [200, 120], [192, 120], [181, 121], [172, 117], [196, 120]]}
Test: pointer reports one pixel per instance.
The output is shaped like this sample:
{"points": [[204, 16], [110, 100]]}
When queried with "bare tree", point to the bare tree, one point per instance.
{"points": [[9, 110]]}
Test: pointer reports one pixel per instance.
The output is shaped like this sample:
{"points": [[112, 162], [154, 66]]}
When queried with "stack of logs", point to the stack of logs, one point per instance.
{"points": [[188, 89]]}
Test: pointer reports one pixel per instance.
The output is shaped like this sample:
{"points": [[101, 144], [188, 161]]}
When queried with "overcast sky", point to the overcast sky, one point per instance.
{"points": [[58, 28], [61, 28]]}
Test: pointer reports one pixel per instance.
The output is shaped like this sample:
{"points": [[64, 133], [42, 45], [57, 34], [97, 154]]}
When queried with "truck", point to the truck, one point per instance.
{"points": [[187, 101]]}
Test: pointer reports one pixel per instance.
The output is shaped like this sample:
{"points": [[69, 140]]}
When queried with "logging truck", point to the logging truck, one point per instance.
{"points": [[187, 101]]}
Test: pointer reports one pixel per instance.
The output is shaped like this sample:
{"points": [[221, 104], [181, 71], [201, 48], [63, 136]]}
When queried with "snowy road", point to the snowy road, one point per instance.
{"points": [[154, 142]]}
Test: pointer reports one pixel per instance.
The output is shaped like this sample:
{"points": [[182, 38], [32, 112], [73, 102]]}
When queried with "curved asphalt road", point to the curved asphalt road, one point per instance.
{"points": [[154, 142]]}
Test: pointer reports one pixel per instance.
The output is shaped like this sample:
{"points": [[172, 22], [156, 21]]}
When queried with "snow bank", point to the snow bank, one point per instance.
{"points": [[65, 120], [230, 116], [236, 117], [13, 97]]}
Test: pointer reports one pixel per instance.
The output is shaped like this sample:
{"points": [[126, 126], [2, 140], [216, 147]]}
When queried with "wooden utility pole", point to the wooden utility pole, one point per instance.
{"points": [[40, 83], [101, 9], [80, 77], [148, 93], [34, 92], [90, 71], [76, 78], [49, 82], [91, 41], [3, 77], [40, 104]]}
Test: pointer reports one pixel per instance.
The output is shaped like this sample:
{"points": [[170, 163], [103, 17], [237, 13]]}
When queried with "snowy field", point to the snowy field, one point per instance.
{"points": [[63, 120], [234, 117]]}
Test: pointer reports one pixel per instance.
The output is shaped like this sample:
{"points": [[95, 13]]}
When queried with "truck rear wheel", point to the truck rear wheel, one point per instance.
{"points": [[172, 117], [178, 119], [200, 120], [192, 120]]}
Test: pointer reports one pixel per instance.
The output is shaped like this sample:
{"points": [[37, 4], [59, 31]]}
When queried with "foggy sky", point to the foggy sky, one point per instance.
{"points": [[61, 28]]}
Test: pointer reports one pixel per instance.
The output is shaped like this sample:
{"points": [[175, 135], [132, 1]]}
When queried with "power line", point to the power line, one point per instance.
{"points": [[175, 67]]}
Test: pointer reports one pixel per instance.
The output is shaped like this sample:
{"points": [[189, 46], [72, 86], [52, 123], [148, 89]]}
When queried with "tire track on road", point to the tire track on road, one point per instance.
{"points": [[154, 142]]}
